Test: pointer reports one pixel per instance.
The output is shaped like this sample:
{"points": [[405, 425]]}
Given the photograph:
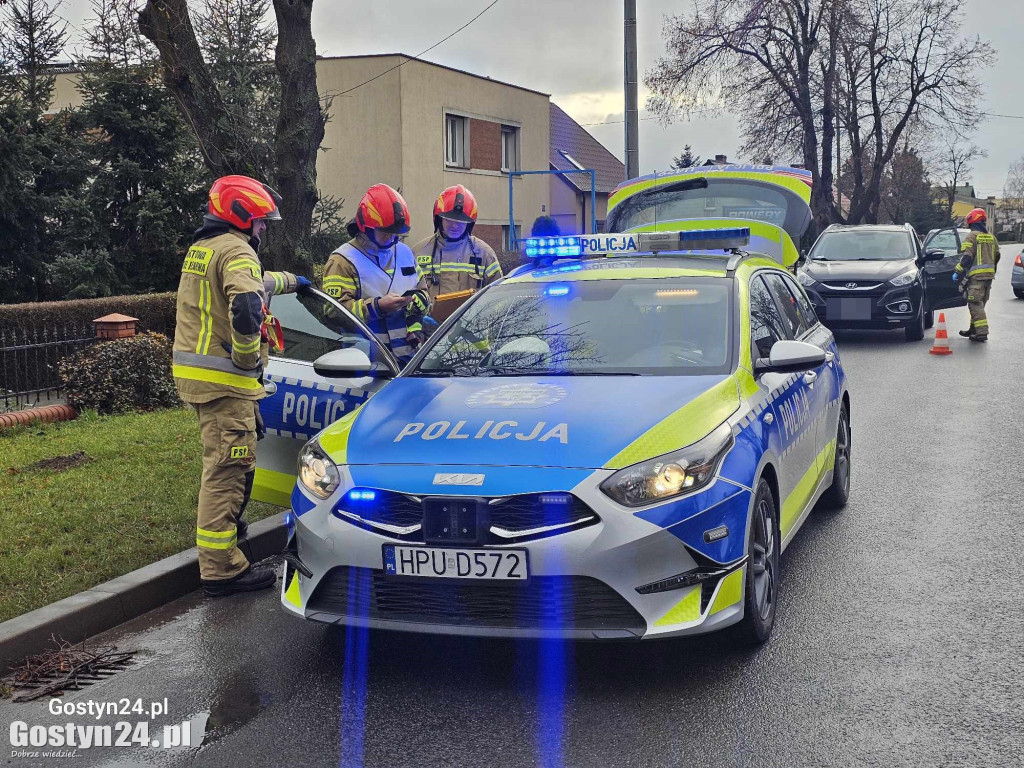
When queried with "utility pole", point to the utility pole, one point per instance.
{"points": [[632, 115]]}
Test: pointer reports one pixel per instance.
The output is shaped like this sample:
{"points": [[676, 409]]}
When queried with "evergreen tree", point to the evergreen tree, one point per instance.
{"points": [[686, 160]]}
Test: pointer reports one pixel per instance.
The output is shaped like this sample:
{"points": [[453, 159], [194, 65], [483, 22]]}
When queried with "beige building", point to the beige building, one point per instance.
{"points": [[421, 127]]}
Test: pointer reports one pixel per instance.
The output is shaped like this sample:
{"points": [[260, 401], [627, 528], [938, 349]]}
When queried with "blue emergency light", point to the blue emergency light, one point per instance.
{"points": [[579, 246], [360, 494]]}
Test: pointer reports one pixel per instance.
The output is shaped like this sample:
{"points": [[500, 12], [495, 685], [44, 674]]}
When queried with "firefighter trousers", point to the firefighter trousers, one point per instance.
{"points": [[978, 292], [227, 428]]}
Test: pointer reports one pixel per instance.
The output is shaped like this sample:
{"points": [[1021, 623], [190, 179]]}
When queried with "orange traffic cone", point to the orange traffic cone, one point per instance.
{"points": [[941, 344]]}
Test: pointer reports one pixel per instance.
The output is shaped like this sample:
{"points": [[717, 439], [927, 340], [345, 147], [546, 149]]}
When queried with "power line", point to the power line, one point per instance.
{"points": [[428, 50]]}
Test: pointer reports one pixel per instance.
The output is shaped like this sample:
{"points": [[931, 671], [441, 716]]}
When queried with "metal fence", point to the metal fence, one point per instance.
{"points": [[29, 358]]}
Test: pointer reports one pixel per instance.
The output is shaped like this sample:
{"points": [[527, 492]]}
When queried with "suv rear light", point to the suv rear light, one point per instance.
{"points": [[1017, 261]]}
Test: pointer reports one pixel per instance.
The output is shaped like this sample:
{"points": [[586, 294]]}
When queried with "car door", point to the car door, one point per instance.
{"points": [[798, 403], [942, 291], [826, 384], [300, 402], [789, 394]]}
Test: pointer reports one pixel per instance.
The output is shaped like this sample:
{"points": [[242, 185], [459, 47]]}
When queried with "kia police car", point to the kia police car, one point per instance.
{"points": [[615, 441]]}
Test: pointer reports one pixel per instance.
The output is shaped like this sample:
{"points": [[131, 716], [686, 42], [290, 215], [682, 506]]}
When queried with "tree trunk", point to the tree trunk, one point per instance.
{"points": [[168, 25], [300, 130]]}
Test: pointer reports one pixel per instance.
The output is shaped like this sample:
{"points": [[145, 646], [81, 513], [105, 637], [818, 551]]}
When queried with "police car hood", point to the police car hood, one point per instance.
{"points": [[570, 422]]}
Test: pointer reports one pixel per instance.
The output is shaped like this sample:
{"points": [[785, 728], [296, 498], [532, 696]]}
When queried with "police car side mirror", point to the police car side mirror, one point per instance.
{"points": [[341, 363], [788, 356]]}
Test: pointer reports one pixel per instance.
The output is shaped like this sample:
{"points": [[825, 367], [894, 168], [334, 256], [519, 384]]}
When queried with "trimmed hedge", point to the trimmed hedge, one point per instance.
{"points": [[154, 310], [121, 375]]}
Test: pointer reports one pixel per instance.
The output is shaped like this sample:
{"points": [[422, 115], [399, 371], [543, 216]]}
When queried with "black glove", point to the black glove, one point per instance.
{"points": [[261, 430], [419, 305]]}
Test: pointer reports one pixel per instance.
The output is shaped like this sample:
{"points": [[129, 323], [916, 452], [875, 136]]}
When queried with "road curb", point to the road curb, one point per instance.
{"points": [[114, 602]]}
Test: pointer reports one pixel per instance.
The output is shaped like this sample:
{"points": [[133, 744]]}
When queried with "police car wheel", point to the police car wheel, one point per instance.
{"points": [[915, 328], [762, 577], [839, 492]]}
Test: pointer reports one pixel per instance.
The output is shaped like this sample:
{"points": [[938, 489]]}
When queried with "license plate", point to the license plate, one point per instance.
{"points": [[445, 563], [849, 309]]}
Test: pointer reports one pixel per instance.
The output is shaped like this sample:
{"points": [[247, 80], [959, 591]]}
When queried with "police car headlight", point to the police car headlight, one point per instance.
{"points": [[804, 279], [317, 473], [905, 279], [673, 474]]}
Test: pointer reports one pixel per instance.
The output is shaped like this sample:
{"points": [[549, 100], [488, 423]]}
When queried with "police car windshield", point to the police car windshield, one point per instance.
{"points": [[677, 326], [863, 245]]}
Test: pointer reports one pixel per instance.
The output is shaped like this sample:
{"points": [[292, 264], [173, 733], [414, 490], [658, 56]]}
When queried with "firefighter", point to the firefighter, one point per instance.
{"points": [[452, 259], [219, 353], [375, 276], [975, 272]]}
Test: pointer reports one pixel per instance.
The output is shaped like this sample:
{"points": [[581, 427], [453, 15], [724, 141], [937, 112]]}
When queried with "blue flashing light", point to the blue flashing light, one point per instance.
{"points": [[556, 290], [360, 494], [288, 519], [555, 498], [714, 234]]}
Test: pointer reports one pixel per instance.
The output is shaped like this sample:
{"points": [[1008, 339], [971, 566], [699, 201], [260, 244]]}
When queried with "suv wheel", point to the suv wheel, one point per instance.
{"points": [[915, 328], [929, 318]]}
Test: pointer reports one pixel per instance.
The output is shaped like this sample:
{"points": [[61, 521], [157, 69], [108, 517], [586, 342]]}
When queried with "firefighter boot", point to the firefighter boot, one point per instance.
{"points": [[248, 580]]}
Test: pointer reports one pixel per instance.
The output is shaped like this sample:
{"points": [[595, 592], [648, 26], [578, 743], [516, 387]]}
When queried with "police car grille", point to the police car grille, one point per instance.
{"points": [[536, 515], [506, 520], [544, 602]]}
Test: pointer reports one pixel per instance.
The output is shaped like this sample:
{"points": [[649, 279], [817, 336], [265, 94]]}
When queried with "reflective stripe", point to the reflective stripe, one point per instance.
{"points": [[205, 321], [344, 282], [278, 283], [493, 268], [216, 539], [215, 377], [213, 363], [244, 346], [980, 323], [683, 612], [249, 264], [982, 270]]}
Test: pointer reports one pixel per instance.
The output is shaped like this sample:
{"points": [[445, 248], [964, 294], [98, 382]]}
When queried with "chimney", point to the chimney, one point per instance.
{"points": [[721, 160]]}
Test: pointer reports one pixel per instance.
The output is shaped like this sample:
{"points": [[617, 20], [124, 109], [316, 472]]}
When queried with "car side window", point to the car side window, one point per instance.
{"points": [[766, 324], [808, 318], [312, 326], [791, 318]]}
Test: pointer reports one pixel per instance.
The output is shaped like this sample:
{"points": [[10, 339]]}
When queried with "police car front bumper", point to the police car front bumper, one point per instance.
{"points": [[594, 583]]}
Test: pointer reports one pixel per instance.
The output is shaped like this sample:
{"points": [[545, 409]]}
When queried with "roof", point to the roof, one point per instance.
{"points": [[432, 64], [570, 142]]}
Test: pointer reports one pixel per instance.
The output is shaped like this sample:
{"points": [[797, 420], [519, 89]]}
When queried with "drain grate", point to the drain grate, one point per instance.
{"points": [[66, 667]]}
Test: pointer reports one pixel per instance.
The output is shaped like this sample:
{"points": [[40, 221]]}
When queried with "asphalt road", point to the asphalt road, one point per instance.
{"points": [[899, 639]]}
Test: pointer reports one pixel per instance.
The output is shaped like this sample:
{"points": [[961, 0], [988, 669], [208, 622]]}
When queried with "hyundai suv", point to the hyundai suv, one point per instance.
{"points": [[878, 276]]}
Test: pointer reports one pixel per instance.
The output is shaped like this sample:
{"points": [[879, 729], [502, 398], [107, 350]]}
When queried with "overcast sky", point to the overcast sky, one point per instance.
{"points": [[572, 49]]}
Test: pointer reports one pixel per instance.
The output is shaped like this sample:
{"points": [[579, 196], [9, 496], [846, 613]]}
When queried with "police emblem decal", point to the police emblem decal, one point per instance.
{"points": [[517, 396]]}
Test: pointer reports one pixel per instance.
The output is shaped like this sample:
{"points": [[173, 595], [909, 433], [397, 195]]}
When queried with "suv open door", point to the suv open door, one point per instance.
{"points": [[773, 201], [300, 402], [942, 292]]}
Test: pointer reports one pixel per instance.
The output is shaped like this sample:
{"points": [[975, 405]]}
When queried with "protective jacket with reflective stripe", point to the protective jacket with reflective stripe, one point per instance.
{"points": [[221, 298], [980, 255], [466, 264], [358, 272]]}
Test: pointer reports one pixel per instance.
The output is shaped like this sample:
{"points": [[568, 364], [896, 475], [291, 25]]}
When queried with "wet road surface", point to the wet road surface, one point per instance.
{"points": [[899, 639]]}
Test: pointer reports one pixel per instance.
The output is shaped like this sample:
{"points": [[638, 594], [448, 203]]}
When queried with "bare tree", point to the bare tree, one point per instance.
{"points": [[953, 164], [1013, 197], [227, 147], [806, 76]]}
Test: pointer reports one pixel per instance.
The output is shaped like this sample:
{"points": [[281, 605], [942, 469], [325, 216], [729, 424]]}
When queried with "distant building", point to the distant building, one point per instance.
{"points": [[965, 200], [421, 127], [572, 148]]}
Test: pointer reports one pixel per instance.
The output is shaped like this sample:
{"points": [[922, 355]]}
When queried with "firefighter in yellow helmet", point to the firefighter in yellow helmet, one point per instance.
{"points": [[975, 272], [452, 259], [219, 353]]}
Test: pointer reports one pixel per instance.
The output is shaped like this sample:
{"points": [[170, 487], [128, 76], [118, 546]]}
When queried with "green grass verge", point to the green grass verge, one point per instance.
{"points": [[65, 531]]}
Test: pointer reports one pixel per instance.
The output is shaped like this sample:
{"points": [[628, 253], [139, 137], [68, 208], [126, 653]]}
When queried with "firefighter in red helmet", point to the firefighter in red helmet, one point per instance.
{"points": [[375, 276], [976, 271], [219, 353], [452, 259]]}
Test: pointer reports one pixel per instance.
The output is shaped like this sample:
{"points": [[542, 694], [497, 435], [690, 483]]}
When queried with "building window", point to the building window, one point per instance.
{"points": [[506, 245], [509, 148], [455, 130]]}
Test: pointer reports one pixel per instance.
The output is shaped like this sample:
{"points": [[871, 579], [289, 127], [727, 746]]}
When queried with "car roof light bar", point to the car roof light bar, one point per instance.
{"points": [[549, 249]]}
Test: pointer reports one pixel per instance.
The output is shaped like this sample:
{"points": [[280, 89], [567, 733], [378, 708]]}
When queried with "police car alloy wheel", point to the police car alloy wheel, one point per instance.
{"points": [[839, 492], [762, 570]]}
